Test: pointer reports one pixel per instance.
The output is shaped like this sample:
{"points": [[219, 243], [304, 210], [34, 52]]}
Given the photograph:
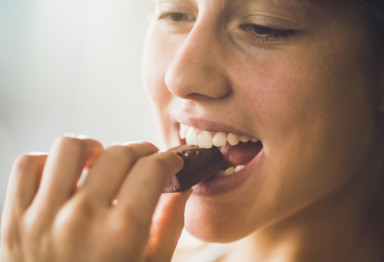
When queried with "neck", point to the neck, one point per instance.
{"points": [[344, 226]]}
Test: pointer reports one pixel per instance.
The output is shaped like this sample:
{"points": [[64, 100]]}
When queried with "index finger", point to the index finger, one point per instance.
{"points": [[145, 183]]}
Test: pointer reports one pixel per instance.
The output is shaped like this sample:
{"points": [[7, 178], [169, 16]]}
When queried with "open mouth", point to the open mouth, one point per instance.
{"points": [[238, 150]]}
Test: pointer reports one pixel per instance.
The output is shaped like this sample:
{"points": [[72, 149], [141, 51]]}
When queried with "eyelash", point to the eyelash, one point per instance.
{"points": [[264, 33], [175, 17], [257, 32]]}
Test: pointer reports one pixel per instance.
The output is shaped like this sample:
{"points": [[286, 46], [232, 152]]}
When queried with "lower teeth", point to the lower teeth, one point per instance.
{"points": [[231, 170]]}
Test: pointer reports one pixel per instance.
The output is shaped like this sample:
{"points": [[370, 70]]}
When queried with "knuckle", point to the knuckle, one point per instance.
{"points": [[130, 221], [121, 153], [163, 160], [150, 146], [27, 162], [75, 144], [32, 226], [74, 216], [172, 157], [158, 163], [83, 206], [130, 152], [34, 231], [126, 227]]}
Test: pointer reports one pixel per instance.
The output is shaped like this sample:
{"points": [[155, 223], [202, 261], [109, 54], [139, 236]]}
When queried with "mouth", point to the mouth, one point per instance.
{"points": [[238, 149]]}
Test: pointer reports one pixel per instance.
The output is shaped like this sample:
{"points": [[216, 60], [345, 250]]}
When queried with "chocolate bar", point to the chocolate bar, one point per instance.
{"points": [[199, 164]]}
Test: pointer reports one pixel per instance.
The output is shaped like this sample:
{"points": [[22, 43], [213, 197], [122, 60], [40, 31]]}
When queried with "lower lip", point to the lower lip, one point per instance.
{"points": [[218, 185]]}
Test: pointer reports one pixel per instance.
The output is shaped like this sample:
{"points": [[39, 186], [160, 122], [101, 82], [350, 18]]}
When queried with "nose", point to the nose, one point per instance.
{"points": [[197, 70]]}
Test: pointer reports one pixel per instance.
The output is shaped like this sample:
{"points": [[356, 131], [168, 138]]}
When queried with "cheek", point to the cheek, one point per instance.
{"points": [[154, 66], [155, 62], [317, 129], [301, 99]]}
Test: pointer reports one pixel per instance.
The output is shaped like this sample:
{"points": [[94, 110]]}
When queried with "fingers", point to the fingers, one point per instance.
{"points": [[108, 172], [142, 188], [23, 184], [63, 168], [55, 218], [167, 226]]}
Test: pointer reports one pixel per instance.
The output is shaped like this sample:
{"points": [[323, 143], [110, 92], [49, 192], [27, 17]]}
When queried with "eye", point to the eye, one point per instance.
{"points": [[265, 33], [175, 17]]}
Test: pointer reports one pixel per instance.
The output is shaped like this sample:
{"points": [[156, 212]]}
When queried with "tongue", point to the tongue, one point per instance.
{"points": [[240, 154]]}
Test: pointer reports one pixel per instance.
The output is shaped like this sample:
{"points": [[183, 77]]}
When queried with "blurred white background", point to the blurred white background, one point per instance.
{"points": [[71, 66]]}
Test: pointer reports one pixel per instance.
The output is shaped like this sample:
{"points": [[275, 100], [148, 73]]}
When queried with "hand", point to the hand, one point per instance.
{"points": [[48, 216]]}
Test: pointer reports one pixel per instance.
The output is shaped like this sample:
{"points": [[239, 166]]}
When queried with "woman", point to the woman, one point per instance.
{"points": [[292, 92]]}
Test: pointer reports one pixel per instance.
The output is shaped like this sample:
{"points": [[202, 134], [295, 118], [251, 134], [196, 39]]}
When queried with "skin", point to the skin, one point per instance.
{"points": [[311, 98], [49, 217]]}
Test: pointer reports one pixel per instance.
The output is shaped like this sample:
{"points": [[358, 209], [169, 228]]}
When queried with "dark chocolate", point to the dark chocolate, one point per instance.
{"points": [[199, 164]]}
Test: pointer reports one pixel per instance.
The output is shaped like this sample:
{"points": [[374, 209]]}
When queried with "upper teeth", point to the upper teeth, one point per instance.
{"points": [[207, 139]]}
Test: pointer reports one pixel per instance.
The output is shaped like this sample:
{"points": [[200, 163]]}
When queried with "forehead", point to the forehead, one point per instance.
{"points": [[299, 11], [279, 3], [273, 2], [228, 4], [302, 9]]}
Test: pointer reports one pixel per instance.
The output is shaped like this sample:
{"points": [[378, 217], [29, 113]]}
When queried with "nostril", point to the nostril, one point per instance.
{"points": [[197, 96]]}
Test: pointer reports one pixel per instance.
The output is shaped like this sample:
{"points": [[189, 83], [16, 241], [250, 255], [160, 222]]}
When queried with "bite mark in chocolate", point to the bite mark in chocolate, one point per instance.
{"points": [[199, 164]]}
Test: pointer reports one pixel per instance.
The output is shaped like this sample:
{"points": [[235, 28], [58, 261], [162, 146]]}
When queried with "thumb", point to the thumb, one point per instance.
{"points": [[167, 225]]}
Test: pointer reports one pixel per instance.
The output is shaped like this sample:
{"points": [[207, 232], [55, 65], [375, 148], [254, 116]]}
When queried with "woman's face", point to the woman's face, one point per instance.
{"points": [[299, 76]]}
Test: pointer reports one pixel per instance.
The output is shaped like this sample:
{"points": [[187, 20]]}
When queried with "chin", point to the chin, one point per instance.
{"points": [[212, 234], [212, 224]]}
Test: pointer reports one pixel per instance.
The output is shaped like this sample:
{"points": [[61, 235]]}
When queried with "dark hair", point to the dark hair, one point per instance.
{"points": [[374, 9]]}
